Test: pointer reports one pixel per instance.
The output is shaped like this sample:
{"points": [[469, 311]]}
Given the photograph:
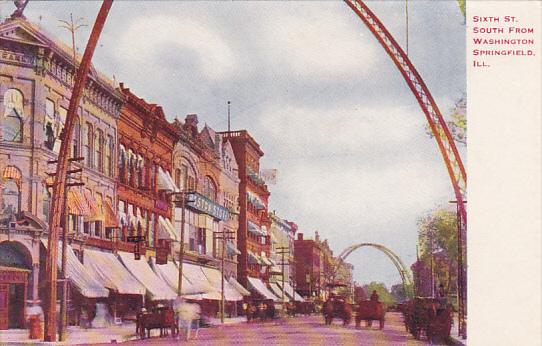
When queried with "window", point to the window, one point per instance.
{"points": [[122, 164], [151, 231], [11, 124], [87, 144], [209, 188], [188, 177], [58, 127], [46, 196], [75, 139], [48, 124], [110, 147], [98, 150], [202, 241], [130, 161], [140, 170]]}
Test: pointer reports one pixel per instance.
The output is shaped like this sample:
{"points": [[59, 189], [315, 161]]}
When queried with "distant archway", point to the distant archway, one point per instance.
{"points": [[406, 277]]}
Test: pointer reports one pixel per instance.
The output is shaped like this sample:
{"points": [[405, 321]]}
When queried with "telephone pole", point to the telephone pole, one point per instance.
{"points": [[59, 186], [283, 250], [224, 236]]}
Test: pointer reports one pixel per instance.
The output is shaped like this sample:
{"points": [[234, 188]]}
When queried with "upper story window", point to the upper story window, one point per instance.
{"points": [[11, 123], [87, 144], [188, 177], [76, 138], [108, 162], [10, 192], [98, 150], [49, 124], [209, 188]]}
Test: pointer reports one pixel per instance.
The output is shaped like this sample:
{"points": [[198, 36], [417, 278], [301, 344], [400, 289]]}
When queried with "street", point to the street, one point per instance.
{"points": [[296, 331]]}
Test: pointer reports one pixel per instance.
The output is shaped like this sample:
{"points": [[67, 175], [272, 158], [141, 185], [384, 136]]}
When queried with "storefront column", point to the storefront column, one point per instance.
{"points": [[35, 281]]}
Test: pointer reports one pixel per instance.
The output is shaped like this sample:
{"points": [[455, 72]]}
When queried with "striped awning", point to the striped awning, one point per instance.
{"points": [[12, 172], [252, 227], [96, 213], [77, 204], [166, 229], [111, 220], [232, 249], [253, 258]]}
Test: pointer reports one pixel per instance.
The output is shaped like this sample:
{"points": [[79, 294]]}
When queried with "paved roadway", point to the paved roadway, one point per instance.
{"points": [[299, 331]]}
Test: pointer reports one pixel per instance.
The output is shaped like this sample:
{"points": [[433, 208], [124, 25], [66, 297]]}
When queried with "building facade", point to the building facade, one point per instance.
{"points": [[253, 238], [36, 80]]}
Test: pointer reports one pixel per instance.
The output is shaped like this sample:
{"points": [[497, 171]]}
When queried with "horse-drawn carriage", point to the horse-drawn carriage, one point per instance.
{"points": [[262, 309], [370, 311], [162, 318], [337, 308], [429, 316]]}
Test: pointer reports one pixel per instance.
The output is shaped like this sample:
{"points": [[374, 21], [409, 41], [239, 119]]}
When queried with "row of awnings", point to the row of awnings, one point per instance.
{"points": [[102, 272], [85, 205], [261, 260], [274, 291]]}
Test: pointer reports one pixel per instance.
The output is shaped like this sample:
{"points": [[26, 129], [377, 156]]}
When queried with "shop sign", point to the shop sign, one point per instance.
{"points": [[162, 205], [209, 207]]}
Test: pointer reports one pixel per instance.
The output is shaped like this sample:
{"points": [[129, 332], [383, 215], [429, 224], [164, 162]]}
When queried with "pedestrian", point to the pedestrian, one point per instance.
{"points": [[186, 314]]}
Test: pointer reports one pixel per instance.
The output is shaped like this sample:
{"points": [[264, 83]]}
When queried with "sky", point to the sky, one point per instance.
{"points": [[313, 86]]}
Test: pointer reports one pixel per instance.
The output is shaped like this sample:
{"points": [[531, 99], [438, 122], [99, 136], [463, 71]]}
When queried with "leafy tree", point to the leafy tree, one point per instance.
{"points": [[437, 238], [398, 293], [384, 295]]}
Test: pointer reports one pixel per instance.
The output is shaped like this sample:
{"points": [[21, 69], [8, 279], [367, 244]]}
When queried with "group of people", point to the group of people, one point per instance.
{"points": [[263, 310]]}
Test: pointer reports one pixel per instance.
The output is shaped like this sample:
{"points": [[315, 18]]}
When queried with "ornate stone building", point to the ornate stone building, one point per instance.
{"points": [[36, 78]]}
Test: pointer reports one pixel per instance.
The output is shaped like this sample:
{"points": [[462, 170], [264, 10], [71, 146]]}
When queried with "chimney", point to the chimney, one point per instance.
{"points": [[316, 236], [191, 124], [300, 236]]}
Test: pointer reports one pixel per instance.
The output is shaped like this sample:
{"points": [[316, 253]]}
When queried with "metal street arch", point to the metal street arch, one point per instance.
{"points": [[406, 277], [438, 126]]}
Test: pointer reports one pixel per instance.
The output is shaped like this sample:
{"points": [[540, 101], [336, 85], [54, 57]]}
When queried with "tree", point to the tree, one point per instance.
{"points": [[437, 241], [384, 295], [398, 293]]}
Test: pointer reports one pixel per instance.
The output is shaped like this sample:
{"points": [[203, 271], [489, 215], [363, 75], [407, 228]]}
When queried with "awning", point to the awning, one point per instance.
{"points": [[252, 227], [166, 229], [96, 213], [108, 270], [110, 217], [170, 274], [140, 269], [232, 249], [255, 200], [195, 275], [85, 283], [77, 204], [266, 261], [253, 258], [238, 286], [258, 286], [290, 292], [165, 182], [215, 278], [278, 291]]}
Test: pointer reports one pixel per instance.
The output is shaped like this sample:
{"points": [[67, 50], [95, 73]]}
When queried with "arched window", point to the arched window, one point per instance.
{"points": [[109, 151], [98, 150], [87, 144], [11, 124], [130, 170], [209, 188], [122, 164], [188, 176], [10, 198], [140, 168], [75, 138]]}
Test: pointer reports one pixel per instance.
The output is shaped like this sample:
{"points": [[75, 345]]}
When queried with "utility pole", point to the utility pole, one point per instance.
{"points": [[229, 129], [224, 236], [58, 200], [461, 273], [72, 27], [185, 194], [63, 321], [283, 250]]}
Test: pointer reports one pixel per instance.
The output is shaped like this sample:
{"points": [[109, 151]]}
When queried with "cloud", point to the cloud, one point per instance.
{"points": [[165, 42]]}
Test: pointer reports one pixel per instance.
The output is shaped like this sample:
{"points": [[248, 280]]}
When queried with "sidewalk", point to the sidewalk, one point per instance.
{"points": [[76, 336]]}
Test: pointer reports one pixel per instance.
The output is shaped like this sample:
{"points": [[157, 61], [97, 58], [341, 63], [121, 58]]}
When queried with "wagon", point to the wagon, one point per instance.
{"points": [[429, 316], [370, 311], [162, 319]]}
